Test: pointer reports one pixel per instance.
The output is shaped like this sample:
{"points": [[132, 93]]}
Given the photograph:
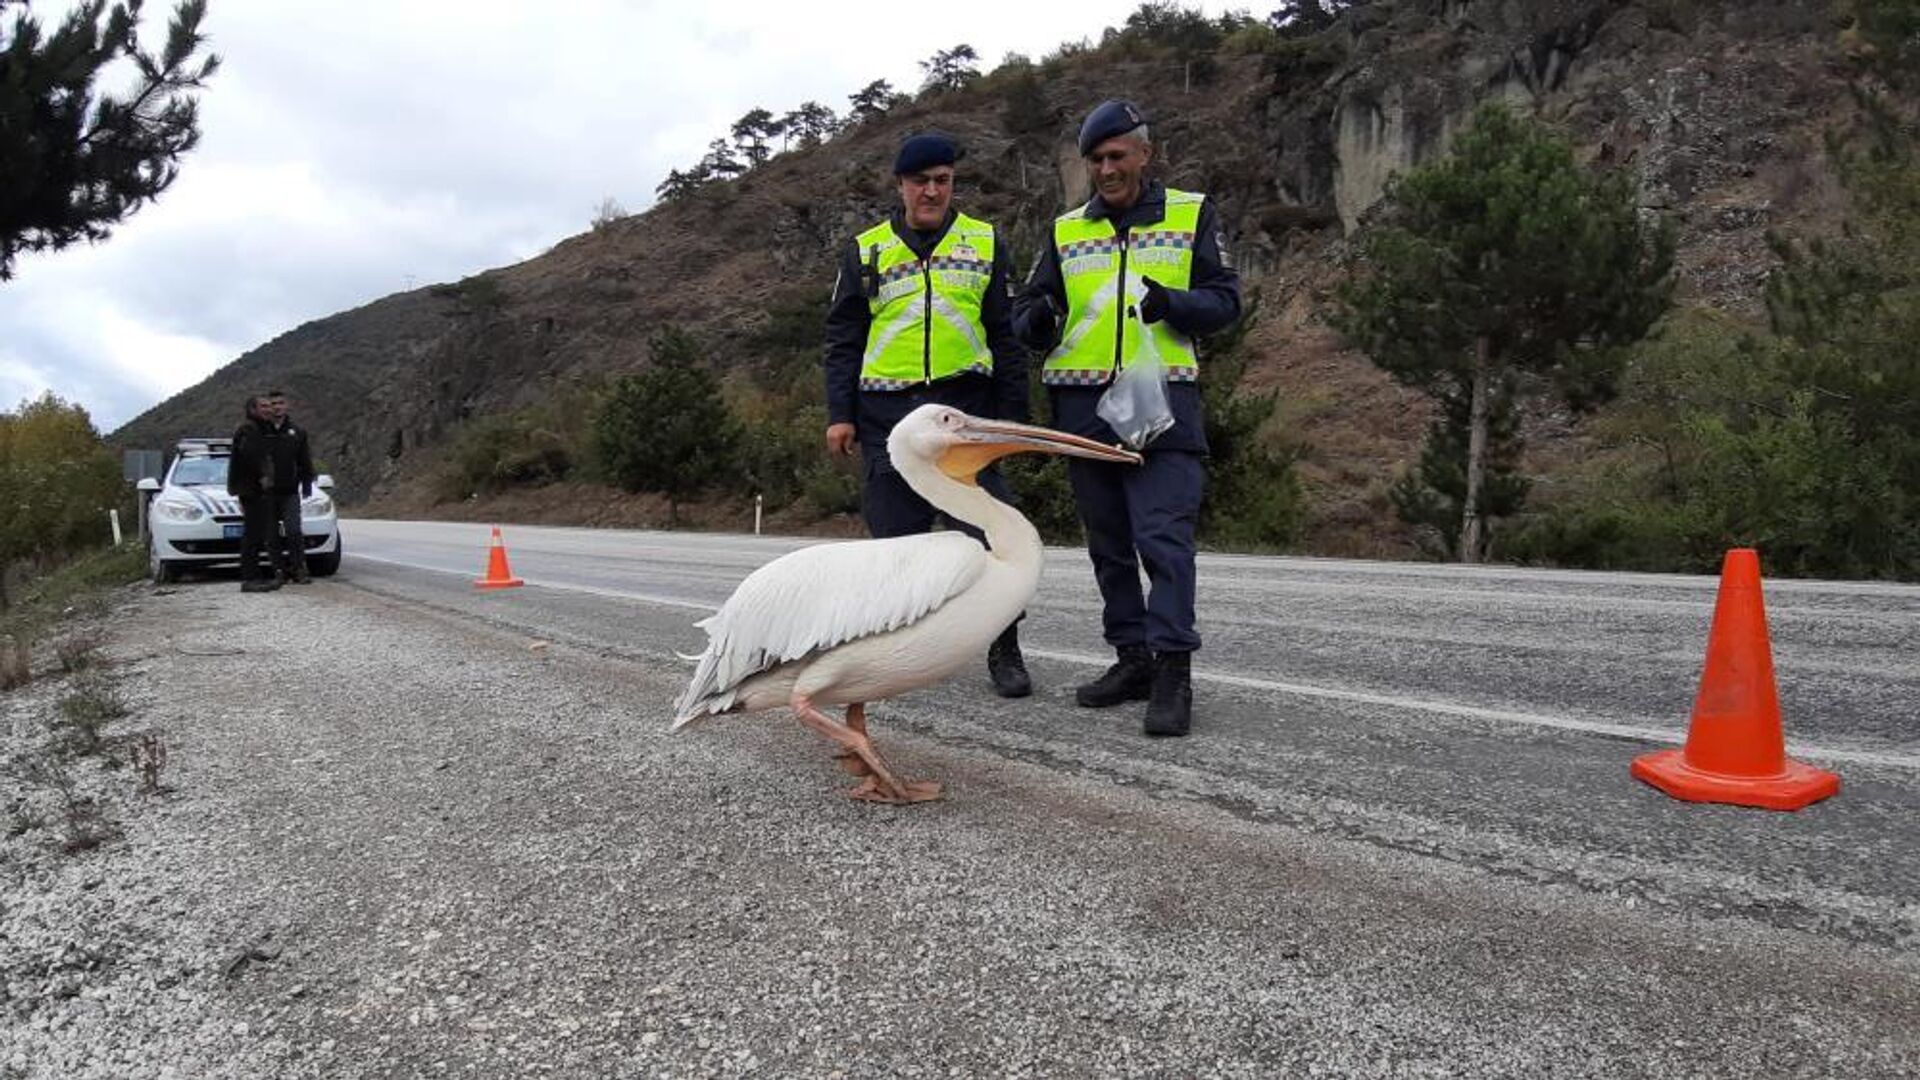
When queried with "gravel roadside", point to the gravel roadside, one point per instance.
{"points": [[402, 844]]}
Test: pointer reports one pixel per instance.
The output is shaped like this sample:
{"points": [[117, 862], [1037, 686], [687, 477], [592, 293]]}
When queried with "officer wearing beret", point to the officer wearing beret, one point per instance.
{"points": [[922, 312], [1136, 251]]}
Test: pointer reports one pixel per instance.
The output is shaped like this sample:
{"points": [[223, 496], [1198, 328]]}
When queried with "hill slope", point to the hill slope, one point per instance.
{"points": [[1716, 107]]}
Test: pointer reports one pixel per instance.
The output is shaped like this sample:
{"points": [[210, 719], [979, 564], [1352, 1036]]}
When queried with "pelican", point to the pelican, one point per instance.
{"points": [[856, 622]]}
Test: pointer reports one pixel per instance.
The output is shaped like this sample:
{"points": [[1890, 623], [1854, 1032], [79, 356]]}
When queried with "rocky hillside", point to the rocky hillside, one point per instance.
{"points": [[1716, 107]]}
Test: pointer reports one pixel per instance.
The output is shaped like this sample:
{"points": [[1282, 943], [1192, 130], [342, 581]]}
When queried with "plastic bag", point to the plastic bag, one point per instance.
{"points": [[1135, 404]]}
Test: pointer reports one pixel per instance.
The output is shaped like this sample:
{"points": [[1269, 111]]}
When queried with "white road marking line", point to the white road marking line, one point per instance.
{"points": [[1668, 736], [1475, 712], [617, 594]]}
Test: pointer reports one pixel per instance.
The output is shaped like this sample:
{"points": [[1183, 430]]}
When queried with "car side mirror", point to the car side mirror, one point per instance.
{"points": [[148, 484], [324, 482]]}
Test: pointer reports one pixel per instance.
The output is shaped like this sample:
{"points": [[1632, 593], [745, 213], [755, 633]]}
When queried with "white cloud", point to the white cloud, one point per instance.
{"points": [[355, 148]]}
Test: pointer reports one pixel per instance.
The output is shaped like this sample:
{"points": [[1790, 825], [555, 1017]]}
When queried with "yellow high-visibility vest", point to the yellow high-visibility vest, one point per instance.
{"points": [[1102, 278], [926, 313]]}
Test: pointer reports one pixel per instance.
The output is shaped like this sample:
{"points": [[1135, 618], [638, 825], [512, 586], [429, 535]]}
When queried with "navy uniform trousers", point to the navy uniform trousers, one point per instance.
{"points": [[1138, 515]]}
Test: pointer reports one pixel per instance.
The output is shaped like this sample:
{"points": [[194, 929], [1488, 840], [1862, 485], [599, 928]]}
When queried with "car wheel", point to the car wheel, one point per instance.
{"points": [[163, 571], [324, 565]]}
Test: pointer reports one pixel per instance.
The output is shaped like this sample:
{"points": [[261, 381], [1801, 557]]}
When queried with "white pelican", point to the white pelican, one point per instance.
{"points": [[850, 623]]}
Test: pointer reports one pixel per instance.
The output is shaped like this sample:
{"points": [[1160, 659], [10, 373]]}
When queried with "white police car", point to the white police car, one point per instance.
{"points": [[193, 522]]}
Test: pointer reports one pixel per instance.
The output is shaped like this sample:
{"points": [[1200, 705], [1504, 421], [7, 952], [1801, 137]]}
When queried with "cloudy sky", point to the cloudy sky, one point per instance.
{"points": [[357, 148]]}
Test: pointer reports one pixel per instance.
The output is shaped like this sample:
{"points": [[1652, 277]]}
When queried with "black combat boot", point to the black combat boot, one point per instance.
{"points": [[1129, 679], [1006, 667], [1170, 709]]}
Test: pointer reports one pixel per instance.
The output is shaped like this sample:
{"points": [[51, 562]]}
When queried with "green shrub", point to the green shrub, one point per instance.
{"points": [[86, 710], [481, 294], [667, 429], [1253, 497], [831, 489], [57, 483], [1296, 62], [494, 453], [1055, 63], [1043, 493], [1252, 39], [777, 453], [530, 447]]}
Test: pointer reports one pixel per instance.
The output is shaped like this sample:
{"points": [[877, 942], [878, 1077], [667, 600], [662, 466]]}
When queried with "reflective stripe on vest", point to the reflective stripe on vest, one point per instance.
{"points": [[926, 315], [1098, 270]]}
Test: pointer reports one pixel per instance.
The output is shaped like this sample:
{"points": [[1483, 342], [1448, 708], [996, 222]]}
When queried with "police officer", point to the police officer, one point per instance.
{"points": [[250, 479], [921, 312], [1137, 250], [293, 478]]}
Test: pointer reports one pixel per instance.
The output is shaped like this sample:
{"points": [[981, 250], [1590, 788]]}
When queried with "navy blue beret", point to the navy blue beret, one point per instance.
{"points": [[922, 152], [1108, 119]]}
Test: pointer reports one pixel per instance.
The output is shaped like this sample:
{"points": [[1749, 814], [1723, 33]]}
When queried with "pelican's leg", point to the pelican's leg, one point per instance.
{"points": [[879, 787], [848, 760]]}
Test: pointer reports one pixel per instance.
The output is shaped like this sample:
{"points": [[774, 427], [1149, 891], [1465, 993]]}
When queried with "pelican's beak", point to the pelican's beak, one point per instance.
{"points": [[982, 442]]}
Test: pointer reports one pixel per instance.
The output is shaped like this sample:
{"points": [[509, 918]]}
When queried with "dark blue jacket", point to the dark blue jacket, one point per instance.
{"points": [[250, 466], [292, 457], [1210, 303], [1001, 396]]}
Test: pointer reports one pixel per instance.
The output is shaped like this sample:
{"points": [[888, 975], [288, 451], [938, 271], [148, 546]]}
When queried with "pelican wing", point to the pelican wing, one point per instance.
{"points": [[818, 597]]}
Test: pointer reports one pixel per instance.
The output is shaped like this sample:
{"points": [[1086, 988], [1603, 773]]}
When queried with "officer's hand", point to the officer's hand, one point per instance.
{"points": [[1042, 318], [1153, 306], [840, 439]]}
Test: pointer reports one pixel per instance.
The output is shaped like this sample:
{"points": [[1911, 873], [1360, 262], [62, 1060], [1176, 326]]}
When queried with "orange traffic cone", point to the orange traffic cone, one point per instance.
{"points": [[497, 576], [1736, 752]]}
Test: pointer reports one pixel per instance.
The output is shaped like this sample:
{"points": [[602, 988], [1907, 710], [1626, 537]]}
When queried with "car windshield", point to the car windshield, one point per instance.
{"points": [[199, 470]]}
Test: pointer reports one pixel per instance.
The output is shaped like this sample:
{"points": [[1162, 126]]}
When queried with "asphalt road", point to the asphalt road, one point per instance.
{"points": [[1482, 715], [1469, 729]]}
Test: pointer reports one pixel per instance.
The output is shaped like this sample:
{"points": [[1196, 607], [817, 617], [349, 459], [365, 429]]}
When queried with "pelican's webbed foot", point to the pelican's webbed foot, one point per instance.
{"points": [[880, 784], [910, 792]]}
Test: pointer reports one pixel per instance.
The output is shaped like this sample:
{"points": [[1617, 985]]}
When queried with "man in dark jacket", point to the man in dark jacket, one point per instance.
{"points": [[293, 478], [920, 314], [1139, 271], [250, 479]]}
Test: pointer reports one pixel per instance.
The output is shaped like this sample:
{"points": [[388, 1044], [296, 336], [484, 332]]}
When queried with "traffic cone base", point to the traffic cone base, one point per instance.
{"points": [[497, 575], [1797, 786]]}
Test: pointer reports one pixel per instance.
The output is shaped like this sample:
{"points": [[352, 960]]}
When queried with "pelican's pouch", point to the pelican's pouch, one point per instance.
{"points": [[1135, 405]]}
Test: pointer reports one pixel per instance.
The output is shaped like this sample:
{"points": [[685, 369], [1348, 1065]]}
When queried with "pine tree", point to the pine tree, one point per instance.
{"points": [[872, 100], [1506, 257], [678, 185], [720, 162], [750, 134], [1432, 496], [74, 164], [1298, 18], [950, 69], [811, 124], [667, 429]]}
